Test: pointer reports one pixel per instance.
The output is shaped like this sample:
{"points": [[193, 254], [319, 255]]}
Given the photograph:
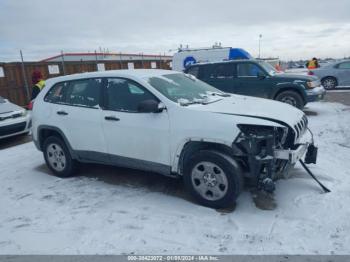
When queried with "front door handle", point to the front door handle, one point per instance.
{"points": [[62, 113], [112, 118]]}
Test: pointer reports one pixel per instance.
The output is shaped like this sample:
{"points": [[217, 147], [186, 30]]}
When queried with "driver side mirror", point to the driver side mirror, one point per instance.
{"points": [[150, 106], [261, 75]]}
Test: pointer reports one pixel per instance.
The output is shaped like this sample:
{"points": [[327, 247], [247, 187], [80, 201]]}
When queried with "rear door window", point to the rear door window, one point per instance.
{"points": [[84, 93], [223, 71]]}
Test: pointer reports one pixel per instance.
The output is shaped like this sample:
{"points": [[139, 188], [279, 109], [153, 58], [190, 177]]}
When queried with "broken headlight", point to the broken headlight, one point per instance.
{"points": [[261, 133]]}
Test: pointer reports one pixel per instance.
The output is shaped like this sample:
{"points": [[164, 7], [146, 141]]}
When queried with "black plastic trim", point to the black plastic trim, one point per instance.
{"points": [[121, 161]]}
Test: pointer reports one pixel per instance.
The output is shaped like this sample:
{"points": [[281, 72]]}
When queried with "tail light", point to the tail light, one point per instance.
{"points": [[30, 105], [310, 73]]}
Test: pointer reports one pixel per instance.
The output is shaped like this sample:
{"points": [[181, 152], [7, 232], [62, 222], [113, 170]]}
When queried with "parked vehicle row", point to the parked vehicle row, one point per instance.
{"points": [[170, 123], [333, 75], [14, 120]]}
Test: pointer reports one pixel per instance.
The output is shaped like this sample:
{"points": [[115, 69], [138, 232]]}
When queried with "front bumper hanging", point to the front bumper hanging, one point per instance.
{"points": [[294, 156]]}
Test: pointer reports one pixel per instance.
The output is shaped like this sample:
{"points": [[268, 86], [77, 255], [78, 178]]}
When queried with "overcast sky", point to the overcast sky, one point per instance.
{"points": [[291, 29]]}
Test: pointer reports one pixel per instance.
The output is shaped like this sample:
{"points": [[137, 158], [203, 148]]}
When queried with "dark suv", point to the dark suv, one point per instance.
{"points": [[258, 78]]}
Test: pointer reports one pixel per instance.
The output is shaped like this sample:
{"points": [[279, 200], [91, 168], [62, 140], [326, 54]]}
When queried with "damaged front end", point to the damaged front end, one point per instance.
{"points": [[268, 152]]}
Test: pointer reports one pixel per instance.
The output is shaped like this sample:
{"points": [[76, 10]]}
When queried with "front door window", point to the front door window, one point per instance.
{"points": [[248, 70], [125, 95]]}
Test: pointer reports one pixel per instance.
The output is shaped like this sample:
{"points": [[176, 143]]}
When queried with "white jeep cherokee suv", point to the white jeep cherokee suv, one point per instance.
{"points": [[170, 123]]}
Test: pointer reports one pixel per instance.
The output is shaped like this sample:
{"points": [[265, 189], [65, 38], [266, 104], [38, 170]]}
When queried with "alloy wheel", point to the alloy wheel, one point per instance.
{"points": [[329, 83]]}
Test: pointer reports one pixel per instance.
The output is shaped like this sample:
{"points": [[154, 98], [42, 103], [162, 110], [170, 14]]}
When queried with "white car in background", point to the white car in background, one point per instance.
{"points": [[14, 120], [170, 123]]}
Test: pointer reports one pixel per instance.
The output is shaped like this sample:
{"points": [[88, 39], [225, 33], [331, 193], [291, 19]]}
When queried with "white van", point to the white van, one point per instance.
{"points": [[186, 57]]}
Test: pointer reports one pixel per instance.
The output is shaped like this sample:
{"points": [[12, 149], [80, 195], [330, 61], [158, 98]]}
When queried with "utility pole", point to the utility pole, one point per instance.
{"points": [[63, 67], [96, 60], [120, 60], [143, 65], [24, 77], [160, 60], [260, 36]]}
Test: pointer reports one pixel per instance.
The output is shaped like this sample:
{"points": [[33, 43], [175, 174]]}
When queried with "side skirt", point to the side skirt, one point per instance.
{"points": [[120, 161]]}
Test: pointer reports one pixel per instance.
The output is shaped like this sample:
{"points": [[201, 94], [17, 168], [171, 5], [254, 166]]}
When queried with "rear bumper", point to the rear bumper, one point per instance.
{"points": [[315, 94]]}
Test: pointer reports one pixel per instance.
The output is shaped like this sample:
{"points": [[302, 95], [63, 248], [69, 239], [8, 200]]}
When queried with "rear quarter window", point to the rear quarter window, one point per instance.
{"points": [[193, 71], [57, 93]]}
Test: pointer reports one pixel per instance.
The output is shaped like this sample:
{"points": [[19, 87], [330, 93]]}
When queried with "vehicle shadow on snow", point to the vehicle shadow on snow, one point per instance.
{"points": [[14, 141], [140, 179], [309, 112], [135, 179], [300, 173]]}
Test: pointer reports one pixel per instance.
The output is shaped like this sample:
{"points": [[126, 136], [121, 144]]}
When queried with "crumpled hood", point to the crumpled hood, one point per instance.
{"points": [[255, 107]]}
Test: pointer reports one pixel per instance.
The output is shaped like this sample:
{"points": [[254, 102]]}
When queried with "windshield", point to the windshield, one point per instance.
{"points": [[268, 68], [185, 89], [2, 100]]}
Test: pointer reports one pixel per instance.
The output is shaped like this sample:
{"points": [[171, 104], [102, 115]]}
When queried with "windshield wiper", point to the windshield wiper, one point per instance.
{"points": [[202, 102], [219, 94], [191, 103]]}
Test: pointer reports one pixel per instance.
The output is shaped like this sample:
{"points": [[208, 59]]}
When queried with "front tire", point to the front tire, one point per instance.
{"points": [[292, 98], [215, 180], [58, 157], [329, 83]]}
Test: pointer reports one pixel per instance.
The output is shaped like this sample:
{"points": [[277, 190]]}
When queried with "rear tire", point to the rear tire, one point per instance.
{"points": [[58, 157], [213, 179], [329, 83], [292, 98]]}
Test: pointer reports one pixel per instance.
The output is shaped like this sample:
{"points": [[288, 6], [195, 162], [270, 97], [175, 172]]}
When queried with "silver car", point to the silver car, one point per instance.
{"points": [[14, 120], [333, 75]]}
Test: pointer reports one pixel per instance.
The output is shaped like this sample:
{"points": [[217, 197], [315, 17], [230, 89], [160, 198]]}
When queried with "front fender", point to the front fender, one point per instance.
{"points": [[181, 145]]}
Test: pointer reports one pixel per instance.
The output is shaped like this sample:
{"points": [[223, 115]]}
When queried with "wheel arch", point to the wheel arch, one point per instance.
{"points": [[191, 146], [45, 131]]}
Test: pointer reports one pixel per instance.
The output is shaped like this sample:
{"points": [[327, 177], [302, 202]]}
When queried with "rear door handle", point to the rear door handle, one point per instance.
{"points": [[62, 113], [112, 118]]}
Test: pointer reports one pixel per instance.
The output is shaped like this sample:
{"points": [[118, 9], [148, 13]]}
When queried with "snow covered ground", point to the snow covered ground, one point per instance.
{"points": [[108, 210]]}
